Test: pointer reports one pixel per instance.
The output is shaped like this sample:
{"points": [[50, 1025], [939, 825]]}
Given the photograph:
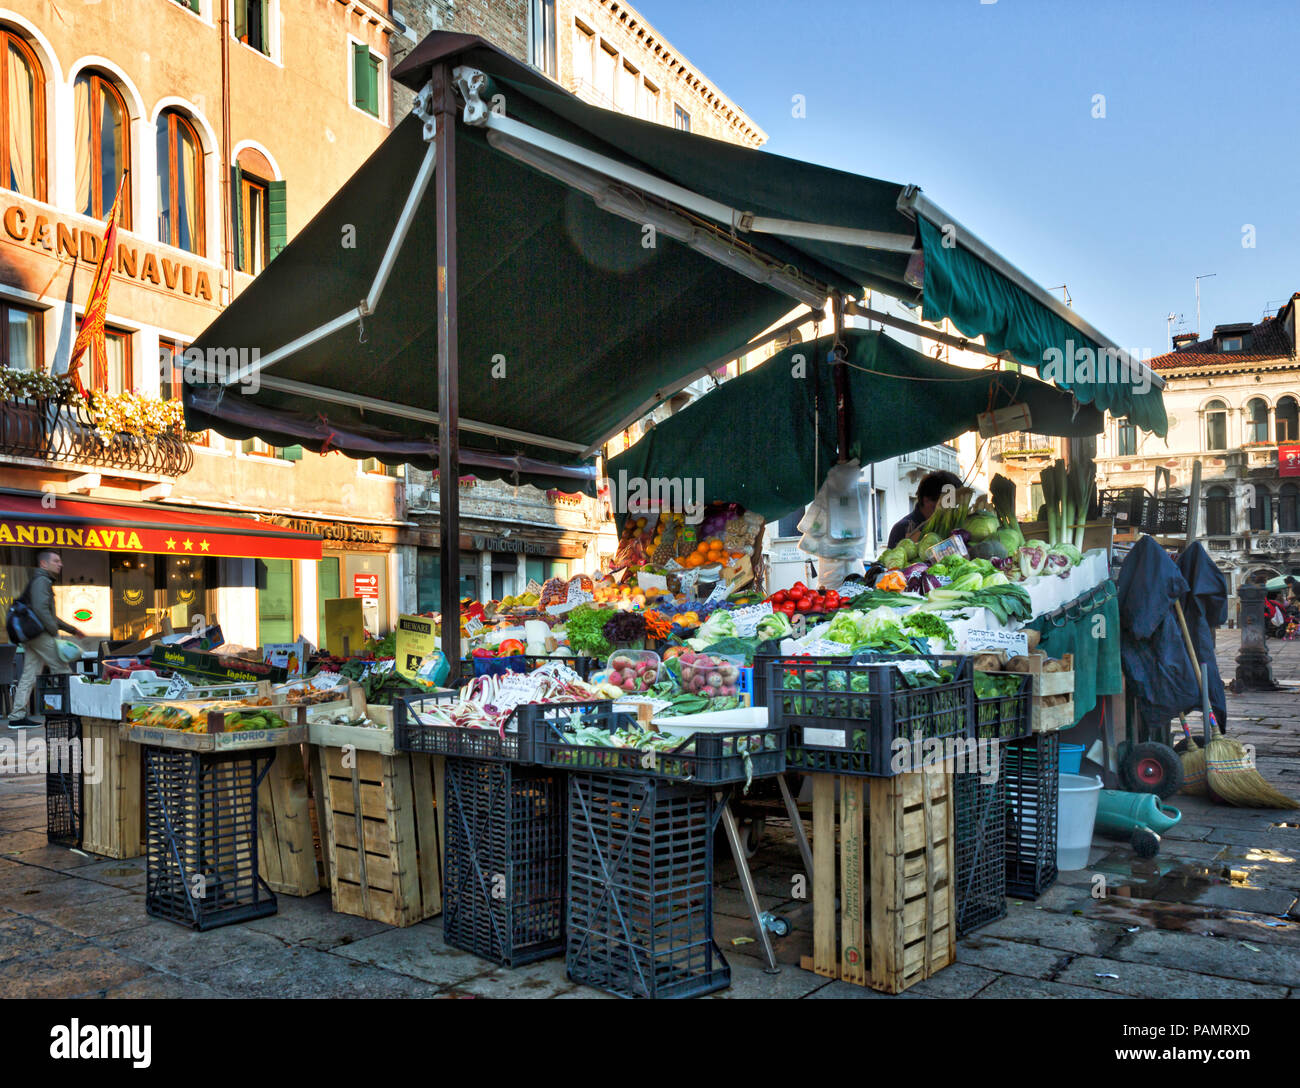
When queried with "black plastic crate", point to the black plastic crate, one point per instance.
{"points": [[1170, 516], [64, 782], [53, 688], [1006, 717], [980, 846], [640, 887], [202, 849], [515, 744], [503, 884], [844, 718], [1031, 768], [762, 671], [1125, 506], [703, 758]]}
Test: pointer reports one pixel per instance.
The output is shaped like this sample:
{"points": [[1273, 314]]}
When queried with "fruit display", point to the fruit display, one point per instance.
{"points": [[193, 717]]}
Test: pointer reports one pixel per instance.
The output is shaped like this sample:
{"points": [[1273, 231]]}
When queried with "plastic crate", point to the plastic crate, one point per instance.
{"points": [[640, 888], [837, 729], [516, 745], [1170, 516], [53, 691], [202, 849], [979, 847], [503, 884], [1006, 717], [65, 790], [703, 758], [497, 666], [1031, 768], [1125, 506]]}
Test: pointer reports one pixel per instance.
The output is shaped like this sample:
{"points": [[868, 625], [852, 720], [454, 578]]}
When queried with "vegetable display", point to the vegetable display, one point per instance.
{"points": [[585, 626]]}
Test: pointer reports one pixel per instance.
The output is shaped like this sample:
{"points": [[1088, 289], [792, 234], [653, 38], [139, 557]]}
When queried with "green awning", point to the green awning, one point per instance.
{"points": [[570, 325], [982, 302], [767, 438]]}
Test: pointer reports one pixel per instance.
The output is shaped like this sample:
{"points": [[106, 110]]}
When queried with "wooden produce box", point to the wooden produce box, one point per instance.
{"points": [[114, 813], [895, 885], [216, 739], [287, 850], [382, 832], [1048, 719]]}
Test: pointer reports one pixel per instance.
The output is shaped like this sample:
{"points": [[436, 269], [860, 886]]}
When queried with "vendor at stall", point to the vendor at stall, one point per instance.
{"points": [[928, 495]]}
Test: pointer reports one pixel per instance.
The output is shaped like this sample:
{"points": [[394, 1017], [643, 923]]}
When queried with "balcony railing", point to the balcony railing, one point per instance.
{"points": [[938, 458], [1021, 444], [62, 433]]}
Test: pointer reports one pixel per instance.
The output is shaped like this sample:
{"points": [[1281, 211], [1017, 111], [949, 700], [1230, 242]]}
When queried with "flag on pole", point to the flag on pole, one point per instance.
{"points": [[92, 322]]}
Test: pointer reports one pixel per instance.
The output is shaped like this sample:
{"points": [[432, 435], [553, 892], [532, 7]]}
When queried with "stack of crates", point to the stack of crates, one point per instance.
{"points": [[1031, 776], [202, 850], [979, 848], [640, 887], [65, 793], [503, 885]]}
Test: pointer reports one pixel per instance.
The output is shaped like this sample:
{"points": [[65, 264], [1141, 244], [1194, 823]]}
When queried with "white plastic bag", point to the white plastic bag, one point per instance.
{"points": [[834, 527]]}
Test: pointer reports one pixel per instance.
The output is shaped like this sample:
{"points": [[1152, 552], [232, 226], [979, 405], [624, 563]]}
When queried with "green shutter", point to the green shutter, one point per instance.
{"points": [[241, 19], [372, 85], [360, 74], [236, 200], [277, 215], [291, 453]]}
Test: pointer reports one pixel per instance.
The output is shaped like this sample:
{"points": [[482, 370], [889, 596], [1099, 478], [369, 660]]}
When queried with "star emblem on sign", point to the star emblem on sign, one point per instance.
{"points": [[203, 545], [171, 543], [189, 546]]}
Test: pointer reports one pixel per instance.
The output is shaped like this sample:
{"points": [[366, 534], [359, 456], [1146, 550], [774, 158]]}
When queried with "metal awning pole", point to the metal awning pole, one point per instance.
{"points": [[841, 376], [444, 108]]}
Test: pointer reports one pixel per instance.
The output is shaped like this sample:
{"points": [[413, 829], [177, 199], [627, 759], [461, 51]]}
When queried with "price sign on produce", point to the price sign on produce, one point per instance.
{"points": [[747, 619], [179, 686], [1014, 643]]}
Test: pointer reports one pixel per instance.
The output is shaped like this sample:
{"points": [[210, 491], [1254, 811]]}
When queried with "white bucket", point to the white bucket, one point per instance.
{"points": [[1078, 812]]}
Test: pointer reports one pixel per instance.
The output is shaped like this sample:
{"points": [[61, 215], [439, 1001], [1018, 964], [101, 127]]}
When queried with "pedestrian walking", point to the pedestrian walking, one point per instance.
{"points": [[40, 651]]}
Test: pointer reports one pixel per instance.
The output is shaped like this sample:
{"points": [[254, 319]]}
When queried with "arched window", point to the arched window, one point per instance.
{"points": [[22, 143], [103, 147], [1261, 511], [180, 183], [1216, 425], [1288, 420], [1257, 420], [1218, 512], [1288, 516]]}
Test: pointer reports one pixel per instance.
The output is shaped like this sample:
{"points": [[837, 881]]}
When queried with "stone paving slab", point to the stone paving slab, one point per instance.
{"points": [[1011, 957], [178, 950], [117, 912], [1010, 986], [155, 984], [418, 951], [1066, 933], [1252, 961], [65, 970], [1146, 980], [296, 972], [311, 922]]}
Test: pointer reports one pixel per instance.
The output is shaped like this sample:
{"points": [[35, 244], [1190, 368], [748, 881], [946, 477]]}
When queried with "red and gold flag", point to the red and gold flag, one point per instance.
{"points": [[92, 322]]}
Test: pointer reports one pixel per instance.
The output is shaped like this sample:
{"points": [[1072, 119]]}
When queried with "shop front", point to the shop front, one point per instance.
{"points": [[498, 561], [134, 571], [361, 560]]}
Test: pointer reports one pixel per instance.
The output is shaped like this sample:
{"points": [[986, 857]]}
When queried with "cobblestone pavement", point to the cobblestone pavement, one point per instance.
{"points": [[1216, 915]]}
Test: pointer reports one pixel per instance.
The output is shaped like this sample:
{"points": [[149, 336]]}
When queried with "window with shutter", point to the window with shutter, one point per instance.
{"points": [[365, 79]]}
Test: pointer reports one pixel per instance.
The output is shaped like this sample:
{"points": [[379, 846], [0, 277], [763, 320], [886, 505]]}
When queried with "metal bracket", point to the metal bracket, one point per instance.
{"points": [[744, 221], [470, 82], [423, 109]]}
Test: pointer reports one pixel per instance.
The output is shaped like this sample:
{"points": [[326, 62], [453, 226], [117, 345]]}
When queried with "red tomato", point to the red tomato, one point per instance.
{"points": [[788, 607], [832, 598], [799, 589], [779, 597]]}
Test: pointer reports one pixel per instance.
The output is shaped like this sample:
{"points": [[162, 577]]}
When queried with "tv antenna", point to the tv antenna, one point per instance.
{"points": [[1207, 276]]}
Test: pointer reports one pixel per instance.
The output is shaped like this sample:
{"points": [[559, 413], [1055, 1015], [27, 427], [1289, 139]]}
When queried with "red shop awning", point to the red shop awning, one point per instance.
{"points": [[54, 521]]}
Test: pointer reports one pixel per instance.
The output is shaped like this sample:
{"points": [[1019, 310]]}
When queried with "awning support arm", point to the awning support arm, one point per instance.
{"points": [[660, 395], [370, 303], [913, 203], [732, 218]]}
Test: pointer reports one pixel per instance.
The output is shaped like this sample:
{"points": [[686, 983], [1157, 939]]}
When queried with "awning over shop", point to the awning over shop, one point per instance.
{"points": [[31, 521], [899, 400], [602, 262]]}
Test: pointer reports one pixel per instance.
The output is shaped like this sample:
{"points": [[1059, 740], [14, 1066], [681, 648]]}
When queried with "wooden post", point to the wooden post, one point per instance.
{"points": [[444, 107], [841, 376]]}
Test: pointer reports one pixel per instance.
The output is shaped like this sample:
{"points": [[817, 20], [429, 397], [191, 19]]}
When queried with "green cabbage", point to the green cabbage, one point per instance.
{"points": [[997, 578], [967, 583], [981, 526]]}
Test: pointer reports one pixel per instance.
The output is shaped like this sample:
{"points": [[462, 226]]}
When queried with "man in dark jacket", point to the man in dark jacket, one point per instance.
{"points": [[40, 652], [928, 495]]}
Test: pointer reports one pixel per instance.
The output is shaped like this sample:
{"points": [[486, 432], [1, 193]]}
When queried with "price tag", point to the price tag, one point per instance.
{"points": [[1014, 643], [718, 595], [824, 648], [533, 587], [646, 580], [473, 627], [852, 589], [578, 595], [747, 619], [922, 668], [178, 687], [327, 681]]}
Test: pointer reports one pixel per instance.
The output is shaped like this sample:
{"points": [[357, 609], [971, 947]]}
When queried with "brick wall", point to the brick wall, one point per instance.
{"points": [[502, 22]]}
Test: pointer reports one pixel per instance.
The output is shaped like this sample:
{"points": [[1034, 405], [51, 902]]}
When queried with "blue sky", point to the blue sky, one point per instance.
{"points": [[988, 107]]}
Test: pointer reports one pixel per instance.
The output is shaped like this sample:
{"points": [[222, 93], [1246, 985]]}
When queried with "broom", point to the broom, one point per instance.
{"points": [[1229, 775], [1194, 756]]}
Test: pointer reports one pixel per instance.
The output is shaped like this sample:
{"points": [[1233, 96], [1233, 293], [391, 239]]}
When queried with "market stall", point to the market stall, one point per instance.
{"points": [[541, 208]]}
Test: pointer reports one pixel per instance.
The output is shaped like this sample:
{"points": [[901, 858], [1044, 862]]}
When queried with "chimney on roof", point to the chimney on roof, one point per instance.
{"points": [[1184, 340]]}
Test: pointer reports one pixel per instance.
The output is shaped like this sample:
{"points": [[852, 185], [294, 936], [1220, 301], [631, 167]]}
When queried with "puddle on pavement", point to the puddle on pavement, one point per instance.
{"points": [[121, 870], [1167, 880]]}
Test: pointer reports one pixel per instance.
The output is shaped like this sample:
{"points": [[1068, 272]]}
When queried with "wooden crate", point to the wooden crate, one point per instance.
{"points": [[1048, 719], [114, 813], [287, 855], [383, 834], [895, 886]]}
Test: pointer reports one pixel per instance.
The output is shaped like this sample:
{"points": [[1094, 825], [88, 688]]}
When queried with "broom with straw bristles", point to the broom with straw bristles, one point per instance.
{"points": [[1193, 756], [1230, 774]]}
